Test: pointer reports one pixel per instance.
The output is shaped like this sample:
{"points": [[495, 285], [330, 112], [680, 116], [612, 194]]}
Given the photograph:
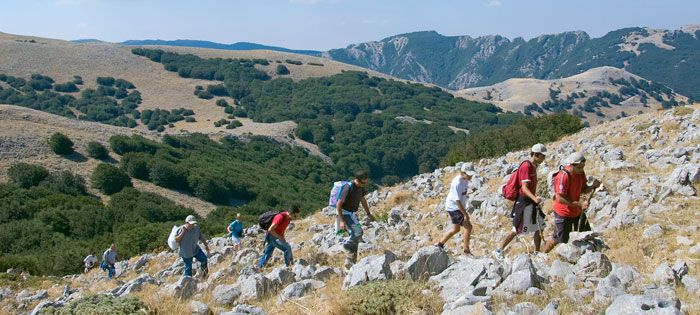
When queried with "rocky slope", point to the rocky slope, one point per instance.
{"points": [[457, 62], [642, 255]]}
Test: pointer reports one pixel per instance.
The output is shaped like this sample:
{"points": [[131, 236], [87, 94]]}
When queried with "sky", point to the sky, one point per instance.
{"points": [[328, 24]]}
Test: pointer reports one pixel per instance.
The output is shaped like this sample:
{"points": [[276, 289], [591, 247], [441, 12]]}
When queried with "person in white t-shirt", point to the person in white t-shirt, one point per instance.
{"points": [[455, 204], [89, 262]]}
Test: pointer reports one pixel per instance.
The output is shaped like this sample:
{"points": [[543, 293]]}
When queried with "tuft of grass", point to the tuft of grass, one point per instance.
{"points": [[101, 304], [389, 297], [682, 111], [642, 126]]}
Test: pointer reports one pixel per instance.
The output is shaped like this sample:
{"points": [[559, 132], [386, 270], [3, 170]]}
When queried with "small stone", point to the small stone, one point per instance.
{"points": [[653, 231], [682, 240], [664, 275], [199, 308]]}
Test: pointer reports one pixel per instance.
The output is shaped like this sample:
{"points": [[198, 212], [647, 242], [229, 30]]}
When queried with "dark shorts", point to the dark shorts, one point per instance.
{"points": [[521, 205], [456, 217], [563, 226]]}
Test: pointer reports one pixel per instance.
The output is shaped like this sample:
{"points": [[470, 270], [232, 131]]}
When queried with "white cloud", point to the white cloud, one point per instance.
{"points": [[494, 3]]}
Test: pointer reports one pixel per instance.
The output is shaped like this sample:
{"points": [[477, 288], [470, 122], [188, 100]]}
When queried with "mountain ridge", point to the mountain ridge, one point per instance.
{"points": [[215, 45]]}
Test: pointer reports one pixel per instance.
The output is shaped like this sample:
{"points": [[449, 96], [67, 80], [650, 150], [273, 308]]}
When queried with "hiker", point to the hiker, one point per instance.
{"points": [[89, 262], [188, 236], [569, 184], [455, 204], [109, 258], [526, 209], [274, 237], [349, 199], [235, 231]]}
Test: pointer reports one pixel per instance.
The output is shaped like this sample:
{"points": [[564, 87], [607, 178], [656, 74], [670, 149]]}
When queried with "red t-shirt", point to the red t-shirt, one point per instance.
{"points": [[282, 220], [527, 174], [569, 185]]}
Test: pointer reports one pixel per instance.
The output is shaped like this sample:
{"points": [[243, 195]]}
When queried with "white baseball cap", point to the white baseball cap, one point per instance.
{"points": [[576, 158], [191, 219], [539, 148], [468, 168]]}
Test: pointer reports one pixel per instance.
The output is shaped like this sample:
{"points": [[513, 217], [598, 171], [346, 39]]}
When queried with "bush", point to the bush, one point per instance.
{"points": [[228, 110], [78, 80], [190, 119], [109, 179], [282, 70], [221, 102], [166, 175], [68, 87], [390, 297], [66, 182], [234, 124], [294, 62], [105, 81], [61, 144], [26, 175], [97, 150], [203, 94], [100, 304]]}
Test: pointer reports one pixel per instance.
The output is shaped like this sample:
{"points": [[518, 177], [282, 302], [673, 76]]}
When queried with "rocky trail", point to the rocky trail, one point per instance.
{"points": [[642, 256]]}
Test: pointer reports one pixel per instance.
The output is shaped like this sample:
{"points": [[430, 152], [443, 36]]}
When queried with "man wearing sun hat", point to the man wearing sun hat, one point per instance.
{"points": [[526, 214], [456, 207], [188, 236], [569, 184]]}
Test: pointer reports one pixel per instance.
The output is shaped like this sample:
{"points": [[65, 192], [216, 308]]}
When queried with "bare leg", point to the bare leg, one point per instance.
{"points": [[549, 245], [509, 237], [467, 234], [537, 238], [450, 234]]}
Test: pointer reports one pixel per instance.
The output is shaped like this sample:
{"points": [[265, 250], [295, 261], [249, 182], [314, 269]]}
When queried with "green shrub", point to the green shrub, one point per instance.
{"points": [[294, 62], [234, 124], [105, 81], [68, 87], [222, 102], [165, 174], [100, 304], [61, 144], [282, 70], [228, 110], [97, 150], [26, 175], [314, 64], [78, 80], [209, 189], [65, 182], [109, 179], [190, 119], [390, 297]]}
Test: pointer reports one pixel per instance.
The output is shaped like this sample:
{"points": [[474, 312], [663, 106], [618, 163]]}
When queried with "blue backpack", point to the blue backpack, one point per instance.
{"points": [[337, 190]]}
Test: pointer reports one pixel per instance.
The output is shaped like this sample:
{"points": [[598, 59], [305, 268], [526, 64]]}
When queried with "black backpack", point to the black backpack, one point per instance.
{"points": [[265, 219]]}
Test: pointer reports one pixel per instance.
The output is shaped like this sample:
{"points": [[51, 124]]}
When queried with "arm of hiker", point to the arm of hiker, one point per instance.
{"points": [[180, 234], [529, 194], [272, 231], [366, 206], [339, 210], [228, 228], [565, 200], [203, 239]]}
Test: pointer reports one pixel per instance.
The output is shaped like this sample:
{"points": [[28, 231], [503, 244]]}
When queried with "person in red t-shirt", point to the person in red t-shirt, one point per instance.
{"points": [[569, 184], [525, 207], [274, 237]]}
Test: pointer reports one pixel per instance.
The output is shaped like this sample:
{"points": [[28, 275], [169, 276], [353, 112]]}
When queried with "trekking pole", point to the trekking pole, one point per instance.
{"points": [[298, 304]]}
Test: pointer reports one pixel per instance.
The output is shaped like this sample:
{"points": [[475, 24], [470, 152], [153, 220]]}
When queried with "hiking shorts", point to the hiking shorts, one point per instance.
{"points": [[456, 217], [563, 226], [527, 217]]}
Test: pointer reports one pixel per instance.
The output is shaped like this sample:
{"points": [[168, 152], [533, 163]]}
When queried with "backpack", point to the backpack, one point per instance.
{"points": [[511, 189], [172, 243], [265, 219], [551, 179], [337, 190]]}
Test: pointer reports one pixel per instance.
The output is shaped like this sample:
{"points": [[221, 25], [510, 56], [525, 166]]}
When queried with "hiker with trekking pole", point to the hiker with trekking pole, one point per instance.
{"points": [[275, 223], [569, 183], [522, 189]]}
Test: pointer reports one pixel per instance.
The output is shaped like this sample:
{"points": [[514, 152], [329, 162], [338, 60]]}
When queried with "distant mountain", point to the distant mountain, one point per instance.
{"points": [[213, 45], [87, 40], [671, 58]]}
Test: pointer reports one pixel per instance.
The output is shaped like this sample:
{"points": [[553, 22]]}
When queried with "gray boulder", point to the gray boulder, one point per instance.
{"points": [[462, 274], [665, 275], [478, 308], [225, 294], [199, 308], [653, 231], [426, 262], [46, 304], [593, 264], [608, 289], [280, 277], [628, 304], [299, 289], [522, 277], [552, 308], [252, 285], [691, 285], [184, 288], [371, 268], [134, 285], [323, 273], [246, 257], [626, 274], [526, 308], [561, 270], [568, 252], [246, 309], [398, 269], [680, 269], [141, 262], [302, 271]]}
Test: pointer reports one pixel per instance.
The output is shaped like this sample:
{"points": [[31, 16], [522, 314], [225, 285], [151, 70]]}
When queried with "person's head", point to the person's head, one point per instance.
{"points": [[294, 211], [577, 162], [238, 216], [190, 221], [113, 247], [537, 153], [467, 171], [361, 178]]}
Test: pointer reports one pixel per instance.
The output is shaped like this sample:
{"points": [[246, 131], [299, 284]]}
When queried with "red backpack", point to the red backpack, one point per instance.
{"points": [[511, 189]]}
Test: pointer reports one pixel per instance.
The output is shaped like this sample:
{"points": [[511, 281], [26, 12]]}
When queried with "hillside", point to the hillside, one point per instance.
{"points": [[642, 254], [519, 94], [668, 57], [213, 45]]}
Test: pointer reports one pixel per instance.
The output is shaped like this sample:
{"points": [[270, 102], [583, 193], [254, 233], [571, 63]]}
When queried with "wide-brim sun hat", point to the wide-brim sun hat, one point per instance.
{"points": [[468, 168], [539, 148], [191, 219]]}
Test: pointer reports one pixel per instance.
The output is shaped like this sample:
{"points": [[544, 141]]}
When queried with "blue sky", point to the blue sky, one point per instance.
{"points": [[326, 24]]}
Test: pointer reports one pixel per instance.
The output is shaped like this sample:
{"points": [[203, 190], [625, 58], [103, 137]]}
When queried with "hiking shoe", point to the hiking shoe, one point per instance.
{"points": [[498, 253], [440, 246]]}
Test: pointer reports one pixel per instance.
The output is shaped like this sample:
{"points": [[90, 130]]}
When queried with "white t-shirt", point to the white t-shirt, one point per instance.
{"points": [[459, 189], [90, 261]]}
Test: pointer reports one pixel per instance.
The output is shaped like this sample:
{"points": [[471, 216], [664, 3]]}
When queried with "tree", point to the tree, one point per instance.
{"points": [[97, 150], [61, 144], [26, 175], [109, 179], [105, 81], [282, 70]]}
